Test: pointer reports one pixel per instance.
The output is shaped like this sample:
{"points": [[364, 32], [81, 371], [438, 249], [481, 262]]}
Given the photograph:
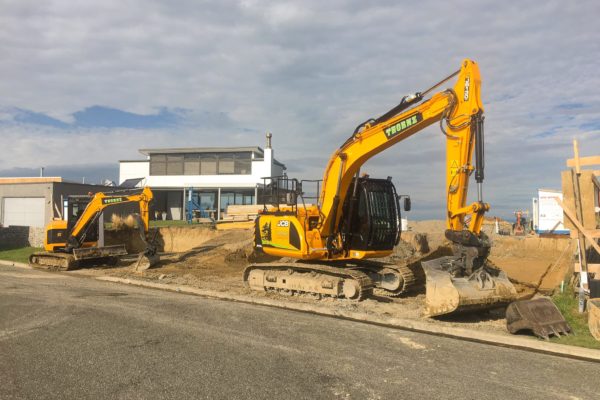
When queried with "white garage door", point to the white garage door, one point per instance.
{"points": [[24, 211]]}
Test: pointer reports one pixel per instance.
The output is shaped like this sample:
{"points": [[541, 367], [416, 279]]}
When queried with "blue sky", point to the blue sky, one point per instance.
{"points": [[85, 84]]}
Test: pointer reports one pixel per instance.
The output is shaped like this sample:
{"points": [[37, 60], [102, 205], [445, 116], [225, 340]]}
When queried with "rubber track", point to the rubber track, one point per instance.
{"points": [[408, 281], [36, 261], [364, 282]]}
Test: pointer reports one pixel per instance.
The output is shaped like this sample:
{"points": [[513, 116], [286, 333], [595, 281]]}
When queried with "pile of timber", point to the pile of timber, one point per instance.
{"points": [[242, 213], [248, 212]]}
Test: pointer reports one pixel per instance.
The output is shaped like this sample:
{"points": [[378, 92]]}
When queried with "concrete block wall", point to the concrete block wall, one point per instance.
{"points": [[21, 236]]}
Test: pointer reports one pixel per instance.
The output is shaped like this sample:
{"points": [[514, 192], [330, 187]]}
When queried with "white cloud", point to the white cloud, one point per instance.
{"points": [[309, 72]]}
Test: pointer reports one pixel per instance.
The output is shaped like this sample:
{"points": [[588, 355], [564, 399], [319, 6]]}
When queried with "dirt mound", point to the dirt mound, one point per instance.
{"points": [[216, 264], [533, 261], [168, 239]]}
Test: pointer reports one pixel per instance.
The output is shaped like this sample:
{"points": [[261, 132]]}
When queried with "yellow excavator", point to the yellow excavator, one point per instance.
{"points": [[69, 242], [333, 244]]}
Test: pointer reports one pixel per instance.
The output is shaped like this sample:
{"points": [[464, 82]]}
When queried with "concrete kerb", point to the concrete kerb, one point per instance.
{"points": [[515, 342], [15, 264]]}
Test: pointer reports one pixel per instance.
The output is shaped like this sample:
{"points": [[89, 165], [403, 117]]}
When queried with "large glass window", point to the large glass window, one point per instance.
{"points": [[191, 164], [208, 164], [201, 164], [158, 164], [227, 199], [243, 163], [226, 163], [175, 164]]}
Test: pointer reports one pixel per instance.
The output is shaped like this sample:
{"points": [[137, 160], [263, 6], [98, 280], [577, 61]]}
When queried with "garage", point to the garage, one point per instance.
{"points": [[24, 211]]}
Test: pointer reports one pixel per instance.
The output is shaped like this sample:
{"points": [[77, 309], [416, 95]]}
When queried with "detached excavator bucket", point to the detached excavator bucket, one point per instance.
{"points": [[541, 316], [485, 289]]}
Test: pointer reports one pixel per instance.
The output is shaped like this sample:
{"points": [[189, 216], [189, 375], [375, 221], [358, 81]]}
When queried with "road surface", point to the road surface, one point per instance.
{"points": [[76, 338]]}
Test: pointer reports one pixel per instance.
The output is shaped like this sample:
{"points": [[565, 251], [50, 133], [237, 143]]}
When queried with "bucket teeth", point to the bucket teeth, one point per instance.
{"points": [[541, 316]]}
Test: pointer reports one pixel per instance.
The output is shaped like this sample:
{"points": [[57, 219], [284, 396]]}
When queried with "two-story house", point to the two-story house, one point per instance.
{"points": [[213, 177]]}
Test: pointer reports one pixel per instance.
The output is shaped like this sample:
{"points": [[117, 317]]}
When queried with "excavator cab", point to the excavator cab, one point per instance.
{"points": [[58, 231], [371, 215], [75, 207]]}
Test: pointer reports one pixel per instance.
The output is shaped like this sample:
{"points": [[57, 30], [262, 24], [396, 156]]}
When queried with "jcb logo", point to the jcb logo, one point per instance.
{"points": [[283, 223], [467, 87]]}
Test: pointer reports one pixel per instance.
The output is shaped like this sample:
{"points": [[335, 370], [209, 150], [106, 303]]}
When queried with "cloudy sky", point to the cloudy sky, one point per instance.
{"points": [[84, 84]]}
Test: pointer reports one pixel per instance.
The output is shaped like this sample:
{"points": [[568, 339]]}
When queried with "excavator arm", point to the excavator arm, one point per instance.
{"points": [[460, 114]]}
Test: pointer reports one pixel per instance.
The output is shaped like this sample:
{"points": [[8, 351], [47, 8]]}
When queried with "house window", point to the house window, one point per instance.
{"points": [[243, 163], [201, 164], [158, 164], [175, 164], [226, 163], [208, 164], [191, 164]]}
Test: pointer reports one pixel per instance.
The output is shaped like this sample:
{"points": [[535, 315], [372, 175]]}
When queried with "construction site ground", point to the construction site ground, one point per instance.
{"points": [[204, 258]]}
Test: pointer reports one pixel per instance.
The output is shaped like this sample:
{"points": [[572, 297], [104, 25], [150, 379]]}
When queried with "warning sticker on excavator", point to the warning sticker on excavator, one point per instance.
{"points": [[454, 168]]}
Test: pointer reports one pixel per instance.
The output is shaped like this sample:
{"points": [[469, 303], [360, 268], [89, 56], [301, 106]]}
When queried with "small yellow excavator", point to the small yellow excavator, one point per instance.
{"points": [[357, 218], [73, 240]]}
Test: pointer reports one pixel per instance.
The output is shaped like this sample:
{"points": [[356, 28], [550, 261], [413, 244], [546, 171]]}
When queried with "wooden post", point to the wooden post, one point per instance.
{"points": [[576, 153], [578, 206], [580, 228], [579, 216]]}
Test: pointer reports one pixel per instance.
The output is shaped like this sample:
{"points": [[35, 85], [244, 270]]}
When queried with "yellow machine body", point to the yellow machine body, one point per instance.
{"points": [[357, 218], [66, 242], [284, 235], [457, 106]]}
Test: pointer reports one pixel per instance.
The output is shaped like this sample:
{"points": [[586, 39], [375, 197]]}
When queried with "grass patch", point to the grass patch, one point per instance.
{"points": [[19, 255], [159, 224], [568, 304]]}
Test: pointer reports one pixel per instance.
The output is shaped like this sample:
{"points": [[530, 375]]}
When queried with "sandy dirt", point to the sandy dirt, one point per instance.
{"points": [[214, 260]]}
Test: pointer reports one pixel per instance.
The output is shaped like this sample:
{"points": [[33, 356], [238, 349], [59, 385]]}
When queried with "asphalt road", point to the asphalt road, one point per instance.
{"points": [[76, 338]]}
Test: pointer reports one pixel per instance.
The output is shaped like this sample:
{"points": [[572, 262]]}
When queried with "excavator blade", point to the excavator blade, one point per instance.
{"points": [[91, 253], [541, 316], [485, 289]]}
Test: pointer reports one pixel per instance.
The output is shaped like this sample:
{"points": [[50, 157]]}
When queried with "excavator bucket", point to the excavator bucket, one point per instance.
{"points": [[146, 261], [541, 316], [485, 289], [149, 257]]}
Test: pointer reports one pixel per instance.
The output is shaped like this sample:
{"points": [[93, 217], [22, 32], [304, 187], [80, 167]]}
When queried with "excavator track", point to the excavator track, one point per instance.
{"points": [[53, 261], [393, 280], [300, 278]]}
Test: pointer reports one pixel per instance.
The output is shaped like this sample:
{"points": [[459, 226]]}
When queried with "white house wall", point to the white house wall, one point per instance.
{"points": [[133, 170], [260, 169], [209, 181]]}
